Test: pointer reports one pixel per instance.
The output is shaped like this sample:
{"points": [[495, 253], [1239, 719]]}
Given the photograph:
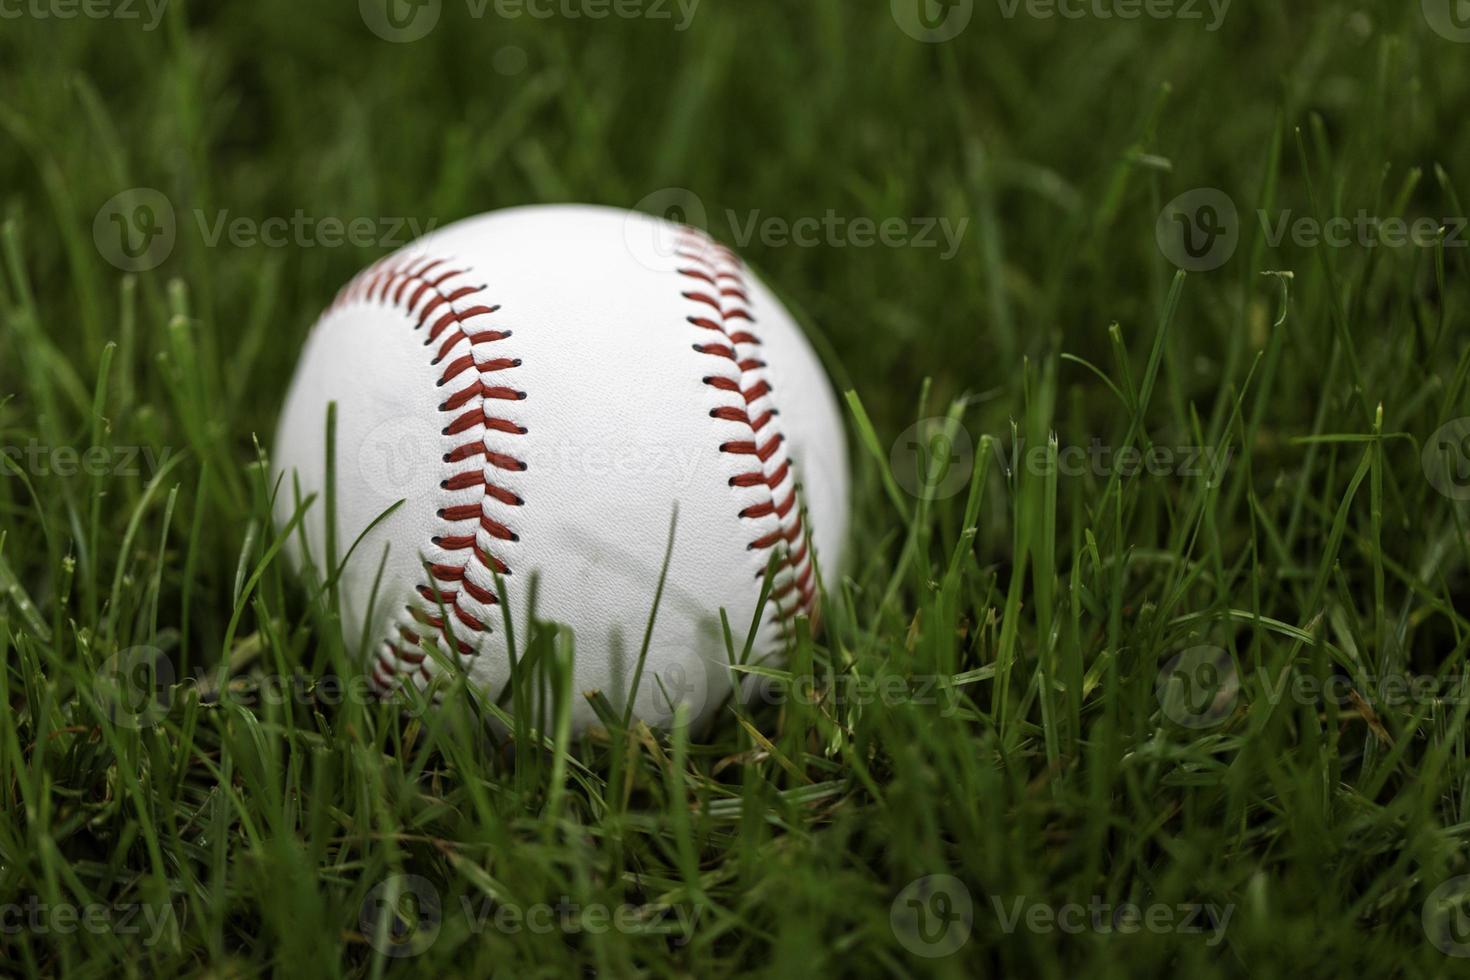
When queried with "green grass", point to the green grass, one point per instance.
{"points": [[1048, 753]]}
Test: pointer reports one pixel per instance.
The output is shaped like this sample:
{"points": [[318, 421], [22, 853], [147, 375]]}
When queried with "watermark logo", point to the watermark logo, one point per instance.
{"points": [[1199, 230], [1450, 19], [401, 916], [933, 916], [932, 458], [135, 230], [133, 686], [653, 242], [933, 21], [685, 684], [1446, 459], [1446, 917], [1198, 688], [400, 21], [397, 454]]}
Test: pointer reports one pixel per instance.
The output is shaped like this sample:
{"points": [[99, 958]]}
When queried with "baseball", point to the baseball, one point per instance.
{"points": [[545, 392]]}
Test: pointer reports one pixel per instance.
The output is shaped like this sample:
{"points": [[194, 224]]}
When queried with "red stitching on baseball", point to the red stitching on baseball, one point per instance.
{"points": [[420, 287], [713, 265]]}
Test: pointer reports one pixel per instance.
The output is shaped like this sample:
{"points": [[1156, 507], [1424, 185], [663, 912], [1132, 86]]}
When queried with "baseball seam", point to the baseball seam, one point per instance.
{"points": [[439, 299], [726, 323]]}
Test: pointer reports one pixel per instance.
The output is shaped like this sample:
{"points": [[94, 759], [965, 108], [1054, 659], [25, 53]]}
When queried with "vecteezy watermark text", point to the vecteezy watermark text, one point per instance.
{"points": [[1363, 229], [936, 21], [593, 918], [1106, 918], [150, 12], [402, 915], [137, 687], [1201, 687], [404, 21], [1183, 10], [1200, 229], [833, 230], [137, 229], [652, 243], [933, 459], [38, 459], [302, 230], [31, 915], [890, 690], [404, 455], [679, 12]]}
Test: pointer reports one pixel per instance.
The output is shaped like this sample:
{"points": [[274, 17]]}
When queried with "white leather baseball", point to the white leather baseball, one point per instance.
{"points": [[541, 387]]}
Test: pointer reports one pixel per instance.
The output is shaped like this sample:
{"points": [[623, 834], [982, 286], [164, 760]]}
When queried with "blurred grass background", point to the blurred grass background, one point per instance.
{"points": [[1323, 826]]}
